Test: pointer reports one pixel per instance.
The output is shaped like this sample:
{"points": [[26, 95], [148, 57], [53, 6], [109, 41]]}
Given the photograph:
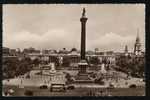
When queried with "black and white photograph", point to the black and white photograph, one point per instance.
{"points": [[73, 50]]}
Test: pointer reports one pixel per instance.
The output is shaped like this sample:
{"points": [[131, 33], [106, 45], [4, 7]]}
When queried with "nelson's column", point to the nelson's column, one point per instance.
{"points": [[82, 74], [83, 63]]}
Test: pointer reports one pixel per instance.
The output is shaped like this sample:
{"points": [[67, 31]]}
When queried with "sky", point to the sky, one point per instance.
{"points": [[56, 26]]}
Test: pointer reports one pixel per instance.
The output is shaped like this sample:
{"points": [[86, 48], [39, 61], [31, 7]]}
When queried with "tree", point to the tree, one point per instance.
{"points": [[94, 60], [73, 49], [10, 66], [15, 67], [68, 77], [27, 59], [134, 65], [66, 61], [36, 61]]}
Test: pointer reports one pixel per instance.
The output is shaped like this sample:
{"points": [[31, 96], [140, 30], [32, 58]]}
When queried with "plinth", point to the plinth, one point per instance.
{"points": [[83, 76], [82, 67]]}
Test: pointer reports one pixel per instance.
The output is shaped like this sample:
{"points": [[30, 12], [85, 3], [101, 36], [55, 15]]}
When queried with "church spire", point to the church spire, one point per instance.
{"points": [[137, 46], [126, 49], [137, 38]]}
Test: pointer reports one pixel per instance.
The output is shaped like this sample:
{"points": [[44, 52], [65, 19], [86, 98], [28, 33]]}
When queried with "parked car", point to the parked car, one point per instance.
{"points": [[43, 87], [111, 86], [57, 88], [71, 87], [132, 86]]}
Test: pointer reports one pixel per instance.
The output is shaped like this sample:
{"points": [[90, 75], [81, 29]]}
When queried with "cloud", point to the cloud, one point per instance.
{"points": [[112, 38], [57, 38], [111, 41]]}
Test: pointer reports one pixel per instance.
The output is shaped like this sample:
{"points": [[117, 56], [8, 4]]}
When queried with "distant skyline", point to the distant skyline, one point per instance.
{"points": [[57, 26]]}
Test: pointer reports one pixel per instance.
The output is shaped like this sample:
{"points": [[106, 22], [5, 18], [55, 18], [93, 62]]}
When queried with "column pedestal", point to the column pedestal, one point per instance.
{"points": [[83, 76], [82, 67]]}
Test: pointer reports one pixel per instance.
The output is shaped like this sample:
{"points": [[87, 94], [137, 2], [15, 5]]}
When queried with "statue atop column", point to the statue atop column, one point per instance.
{"points": [[83, 13]]}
